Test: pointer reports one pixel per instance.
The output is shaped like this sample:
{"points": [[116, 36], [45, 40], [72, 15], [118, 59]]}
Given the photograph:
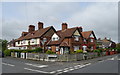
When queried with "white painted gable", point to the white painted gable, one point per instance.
{"points": [[76, 33], [55, 37], [91, 35]]}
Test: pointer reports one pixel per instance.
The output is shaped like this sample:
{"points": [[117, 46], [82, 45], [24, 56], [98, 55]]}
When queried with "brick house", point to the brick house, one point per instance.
{"points": [[11, 44], [66, 40], [105, 43], [35, 38], [89, 40]]}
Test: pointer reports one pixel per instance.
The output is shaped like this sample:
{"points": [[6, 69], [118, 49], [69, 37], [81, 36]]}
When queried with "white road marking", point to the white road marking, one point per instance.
{"points": [[8, 64], [59, 70], [35, 70], [66, 71], [36, 65], [66, 68], [70, 68], [53, 72]]}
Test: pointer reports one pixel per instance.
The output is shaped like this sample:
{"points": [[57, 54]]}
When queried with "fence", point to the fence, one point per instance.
{"points": [[54, 57]]}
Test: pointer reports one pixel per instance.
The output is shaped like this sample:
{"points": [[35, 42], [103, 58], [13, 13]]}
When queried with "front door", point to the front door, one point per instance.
{"points": [[64, 50]]}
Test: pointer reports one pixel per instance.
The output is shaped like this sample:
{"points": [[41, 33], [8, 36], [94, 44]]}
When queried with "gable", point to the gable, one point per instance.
{"points": [[49, 33], [91, 35], [76, 33], [55, 37]]}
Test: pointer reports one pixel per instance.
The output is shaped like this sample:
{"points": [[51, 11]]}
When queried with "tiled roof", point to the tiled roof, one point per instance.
{"points": [[63, 33], [86, 34], [65, 44], [34, 34]]}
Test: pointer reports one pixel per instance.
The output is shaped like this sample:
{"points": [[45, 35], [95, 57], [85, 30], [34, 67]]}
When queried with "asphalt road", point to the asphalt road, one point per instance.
{"points": [[107, 64]]}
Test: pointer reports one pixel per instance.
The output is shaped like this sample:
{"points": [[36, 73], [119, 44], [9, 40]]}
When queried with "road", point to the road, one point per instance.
{"points": [[107, 64]]}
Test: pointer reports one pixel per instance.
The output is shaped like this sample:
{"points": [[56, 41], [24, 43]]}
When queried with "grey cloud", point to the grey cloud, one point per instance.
{"points": [[100, 17]]}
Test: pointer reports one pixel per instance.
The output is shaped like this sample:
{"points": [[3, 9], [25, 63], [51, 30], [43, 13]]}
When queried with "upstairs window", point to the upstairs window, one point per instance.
{"points": [[33, 40], [23, 41], [84, 40], [91, 40], [76, 38], [18, 42], [45, 39], [55, 39]]}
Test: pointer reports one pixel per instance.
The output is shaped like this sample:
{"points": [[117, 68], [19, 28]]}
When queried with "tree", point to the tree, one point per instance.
{"points": [[3, 44]]}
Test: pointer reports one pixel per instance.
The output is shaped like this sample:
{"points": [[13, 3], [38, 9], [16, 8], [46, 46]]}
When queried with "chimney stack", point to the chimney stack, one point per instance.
{"points": [[31, 28], [40, 25], [64, 26], [80, 29]]}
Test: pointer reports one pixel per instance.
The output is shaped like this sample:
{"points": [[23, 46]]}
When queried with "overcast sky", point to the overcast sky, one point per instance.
{"points": [[101, 17]]}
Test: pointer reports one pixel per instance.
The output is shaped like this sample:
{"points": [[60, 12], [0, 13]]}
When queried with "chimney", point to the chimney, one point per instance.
{"points": [[64, 26], [40, 25], [80, 29], [31, 28]]}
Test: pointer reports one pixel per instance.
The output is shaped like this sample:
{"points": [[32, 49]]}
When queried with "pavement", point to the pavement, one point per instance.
{"points": [[106, 64]]}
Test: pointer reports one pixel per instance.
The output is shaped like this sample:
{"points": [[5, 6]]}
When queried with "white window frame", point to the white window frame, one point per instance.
{"points": [[57, 48], [76, 48], [76, 38], [91, 40], [45, 39]]}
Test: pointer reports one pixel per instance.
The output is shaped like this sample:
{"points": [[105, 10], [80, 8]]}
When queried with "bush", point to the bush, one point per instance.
{"points": [[50, 52], [97, 51], [24, 51], [79, 51], [37, 50], [118, 50], [7, 52]]}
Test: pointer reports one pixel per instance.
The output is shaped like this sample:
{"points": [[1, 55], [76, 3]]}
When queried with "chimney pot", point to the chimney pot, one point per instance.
{"points": [[40, 25], [64, 26], [31, 28]]}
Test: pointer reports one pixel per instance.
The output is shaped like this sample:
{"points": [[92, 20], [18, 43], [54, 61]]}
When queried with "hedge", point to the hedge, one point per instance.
{"points": [[50, 52], [79, 51]]}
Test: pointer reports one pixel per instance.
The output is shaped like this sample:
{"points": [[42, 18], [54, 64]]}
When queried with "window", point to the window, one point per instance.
{"points": [[18, 42], [45, 39], [76, 48], [23, 41], [92, 48], [76, 38], [91, 40], [49, 48], [57, 48], [55, 38], [84, 40]]}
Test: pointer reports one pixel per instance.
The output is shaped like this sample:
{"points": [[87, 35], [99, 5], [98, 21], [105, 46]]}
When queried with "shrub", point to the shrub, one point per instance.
{"points": [[50, 52], [7, 52], [37, 50], [24, 51], [97, 51], [79, 51]]}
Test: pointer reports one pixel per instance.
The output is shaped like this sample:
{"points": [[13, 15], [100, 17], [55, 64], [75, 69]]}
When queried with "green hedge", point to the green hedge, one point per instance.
{"points": [[50, 52], [79, 51], [7, 52]]}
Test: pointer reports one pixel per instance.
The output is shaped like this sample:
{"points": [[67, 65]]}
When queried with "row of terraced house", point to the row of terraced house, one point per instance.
{"points": [[62, 41]]}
